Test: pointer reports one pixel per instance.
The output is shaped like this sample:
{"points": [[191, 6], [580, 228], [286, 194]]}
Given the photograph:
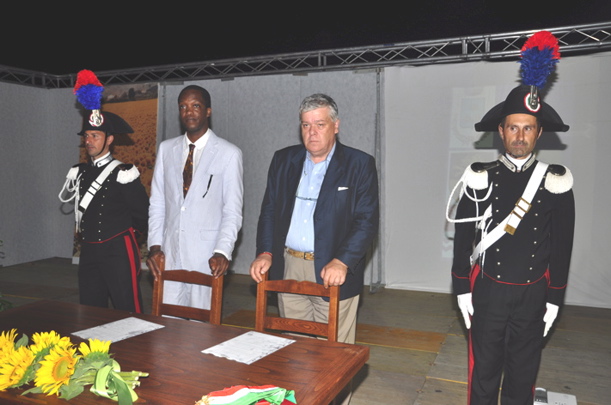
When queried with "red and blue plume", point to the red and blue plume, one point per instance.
{"points": [[539, 55], [88, 90]]}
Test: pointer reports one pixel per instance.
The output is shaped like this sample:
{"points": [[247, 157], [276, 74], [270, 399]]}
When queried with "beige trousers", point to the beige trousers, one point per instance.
{"points": [[311, 308]]}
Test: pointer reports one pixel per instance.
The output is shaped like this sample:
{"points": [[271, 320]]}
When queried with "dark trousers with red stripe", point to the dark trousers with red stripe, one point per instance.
{"points": [[111, 270], [506, 339]]}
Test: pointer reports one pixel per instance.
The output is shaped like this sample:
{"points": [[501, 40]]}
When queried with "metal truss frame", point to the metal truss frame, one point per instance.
{"points": [[581, 39]]}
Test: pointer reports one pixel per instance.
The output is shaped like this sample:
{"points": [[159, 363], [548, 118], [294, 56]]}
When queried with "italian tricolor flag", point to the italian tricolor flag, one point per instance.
{"points": [[243, 395]]}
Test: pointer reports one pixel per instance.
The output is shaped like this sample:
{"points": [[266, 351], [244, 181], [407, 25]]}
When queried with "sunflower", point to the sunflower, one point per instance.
{"points": [[95, 346], [47, 340], [7, 343], [95, 354], [56, 369], [8, 338], [14, 367]]}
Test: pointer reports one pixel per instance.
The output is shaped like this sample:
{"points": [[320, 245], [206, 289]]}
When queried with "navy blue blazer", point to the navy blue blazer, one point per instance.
{"points": [[346, 217]]}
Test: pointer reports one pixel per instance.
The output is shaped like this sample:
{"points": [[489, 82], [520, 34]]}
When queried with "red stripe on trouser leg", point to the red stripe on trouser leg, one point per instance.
{"points": [[471, 361], [131, 240], [474, 273]]}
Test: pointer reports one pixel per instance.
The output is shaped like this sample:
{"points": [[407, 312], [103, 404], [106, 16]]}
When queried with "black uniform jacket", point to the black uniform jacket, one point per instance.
{"points": [[117, 205], [542, 243]]}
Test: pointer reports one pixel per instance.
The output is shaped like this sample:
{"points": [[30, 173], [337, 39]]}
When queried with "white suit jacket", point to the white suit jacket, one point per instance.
{"points": [[189, 230]]}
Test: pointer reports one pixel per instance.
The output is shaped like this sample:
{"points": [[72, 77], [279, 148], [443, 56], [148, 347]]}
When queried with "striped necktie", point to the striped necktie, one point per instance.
{"points": [[187, 173]]}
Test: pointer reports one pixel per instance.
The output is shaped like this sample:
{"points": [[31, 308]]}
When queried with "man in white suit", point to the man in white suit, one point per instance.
{"points": [[196, 201]]}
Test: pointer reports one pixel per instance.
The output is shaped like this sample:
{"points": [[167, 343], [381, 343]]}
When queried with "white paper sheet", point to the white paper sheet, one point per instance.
{"points": [[249, 347], [118, 330]]}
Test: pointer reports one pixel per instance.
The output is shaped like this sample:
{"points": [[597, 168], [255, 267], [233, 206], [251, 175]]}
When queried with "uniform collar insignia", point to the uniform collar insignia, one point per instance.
{"points": [[509, 164], [101, 162]]}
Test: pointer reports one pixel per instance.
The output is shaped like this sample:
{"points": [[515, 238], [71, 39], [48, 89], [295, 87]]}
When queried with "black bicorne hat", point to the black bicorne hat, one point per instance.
{"points": [[519, 102], [107, 122]]}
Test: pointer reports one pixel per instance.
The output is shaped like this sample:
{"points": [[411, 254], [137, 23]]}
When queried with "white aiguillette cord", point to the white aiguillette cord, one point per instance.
{"points": [[72, 186]]}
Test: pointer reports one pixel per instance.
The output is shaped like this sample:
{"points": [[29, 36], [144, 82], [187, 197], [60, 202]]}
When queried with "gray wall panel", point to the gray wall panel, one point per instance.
{"points": [[38, 144]]}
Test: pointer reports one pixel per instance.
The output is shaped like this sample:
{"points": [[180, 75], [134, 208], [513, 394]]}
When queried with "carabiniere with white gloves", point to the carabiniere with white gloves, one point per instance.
{"points": [[514, 228]]}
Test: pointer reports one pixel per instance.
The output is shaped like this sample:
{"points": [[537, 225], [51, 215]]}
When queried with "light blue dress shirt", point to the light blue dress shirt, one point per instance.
{"points": [[301, 231]]}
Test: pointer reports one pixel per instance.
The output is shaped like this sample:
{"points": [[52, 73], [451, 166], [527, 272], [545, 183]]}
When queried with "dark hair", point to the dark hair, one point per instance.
{"points": [[204, 93]]}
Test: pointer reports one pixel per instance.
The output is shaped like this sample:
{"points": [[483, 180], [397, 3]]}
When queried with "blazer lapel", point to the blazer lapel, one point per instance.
{"points": [[208, 155], [333, 176], [294, 172], [204, 167], [177, 163]]}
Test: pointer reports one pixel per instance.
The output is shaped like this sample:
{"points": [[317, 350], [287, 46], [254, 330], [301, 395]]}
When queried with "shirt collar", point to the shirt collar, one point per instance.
{"points": [[200, 143], [327, 159]]}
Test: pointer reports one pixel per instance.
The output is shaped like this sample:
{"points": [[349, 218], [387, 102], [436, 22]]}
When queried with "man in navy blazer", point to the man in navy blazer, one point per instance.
{"points": [[319, 216]]}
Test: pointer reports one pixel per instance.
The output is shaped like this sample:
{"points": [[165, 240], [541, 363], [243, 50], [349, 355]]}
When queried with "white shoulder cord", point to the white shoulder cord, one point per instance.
{"points": [[481, 219], [473, 198], [70, 186]]}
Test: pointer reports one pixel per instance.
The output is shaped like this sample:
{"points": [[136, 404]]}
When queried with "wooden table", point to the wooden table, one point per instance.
{"points": [[179, 373]]}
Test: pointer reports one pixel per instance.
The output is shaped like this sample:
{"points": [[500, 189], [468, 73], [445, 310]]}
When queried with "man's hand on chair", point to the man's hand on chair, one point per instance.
{"points": [[152, 264], [218, 264], [334, 273], [260, 266]]}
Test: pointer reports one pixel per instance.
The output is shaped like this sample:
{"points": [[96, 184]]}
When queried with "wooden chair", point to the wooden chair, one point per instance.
{"points": [[265, 321], [212, 315]]}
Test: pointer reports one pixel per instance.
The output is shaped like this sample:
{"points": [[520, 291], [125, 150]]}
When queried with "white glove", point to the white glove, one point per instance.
{"points": [[466, 307], [549, 317]]}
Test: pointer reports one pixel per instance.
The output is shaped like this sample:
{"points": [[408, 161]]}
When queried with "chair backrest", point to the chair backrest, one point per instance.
{"points": [[213, 315], [264, 321]]}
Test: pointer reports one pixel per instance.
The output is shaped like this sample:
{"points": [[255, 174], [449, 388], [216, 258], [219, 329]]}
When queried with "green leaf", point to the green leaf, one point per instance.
{"points": [[22, 341], [109, 384], [70, 390], [126, 395], [34, 390]]}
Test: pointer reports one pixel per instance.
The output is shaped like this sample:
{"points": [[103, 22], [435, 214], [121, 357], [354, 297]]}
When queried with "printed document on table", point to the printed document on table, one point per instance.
{"points": [[118, 330], [249, 347]]}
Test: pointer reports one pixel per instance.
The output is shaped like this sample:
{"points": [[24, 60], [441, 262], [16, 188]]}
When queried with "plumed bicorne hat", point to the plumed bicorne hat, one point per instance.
{"points": [[539, 56], [88, 90]]}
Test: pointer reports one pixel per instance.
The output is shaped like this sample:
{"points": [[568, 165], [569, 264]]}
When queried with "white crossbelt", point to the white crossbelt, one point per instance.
{"points": [[511, 222], [93, 188]]}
